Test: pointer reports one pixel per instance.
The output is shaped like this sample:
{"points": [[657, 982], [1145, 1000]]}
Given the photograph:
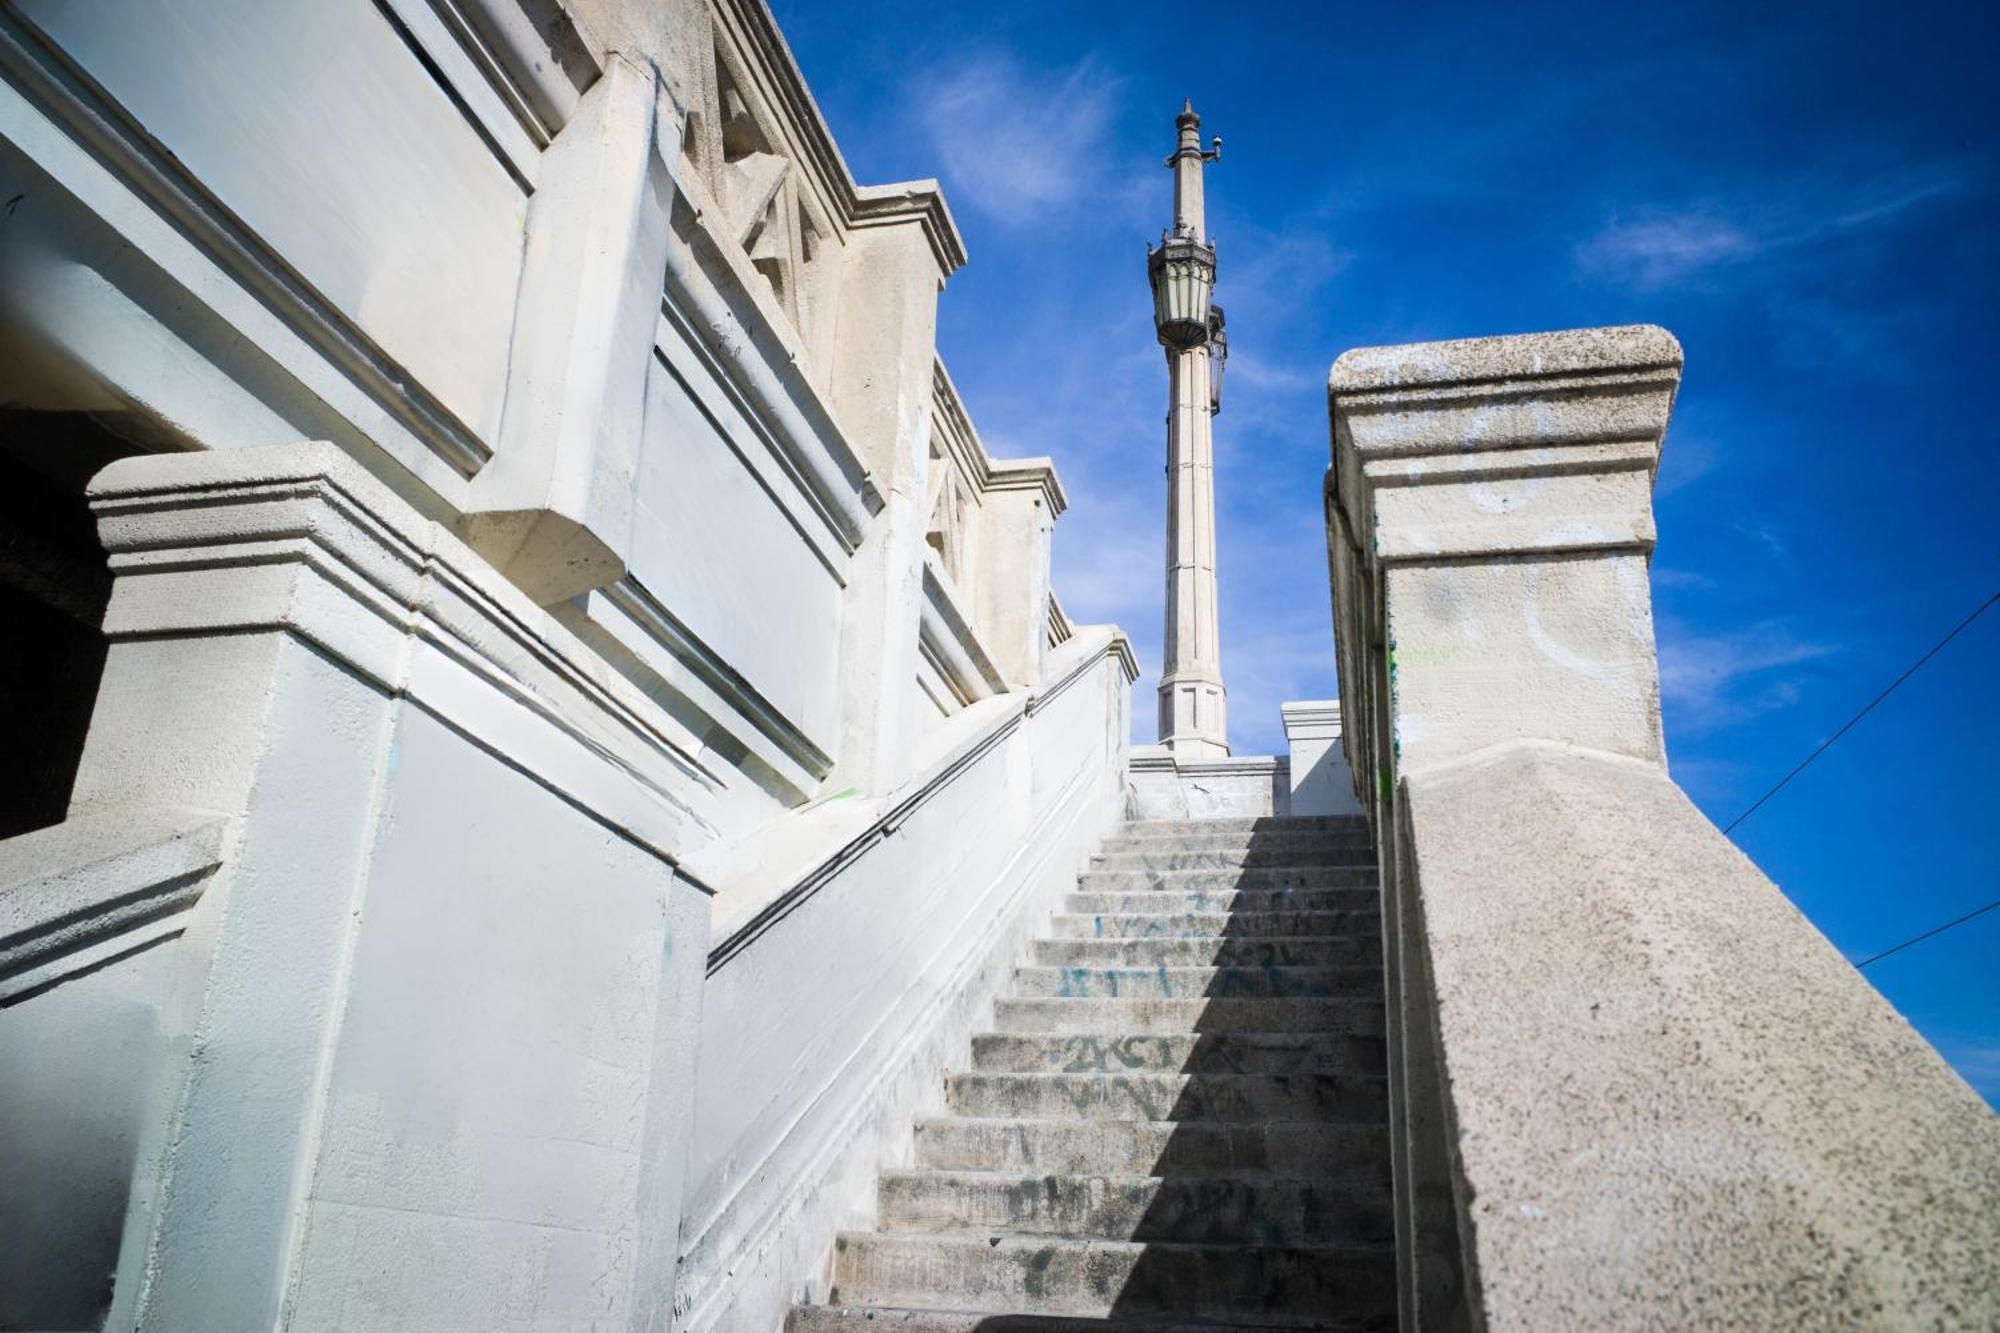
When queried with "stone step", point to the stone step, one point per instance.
{"points": [[1197, 951], [1198, 1210], [885, 1319], [1166, 983], [1308, 842], [1167, 859], [1262, 824], [1350, 1015], [1212, 925], [1332, 1153], [1095, 1278], [1213, 1053], [1254, 877], [1332, 1098], [1222, 900]]}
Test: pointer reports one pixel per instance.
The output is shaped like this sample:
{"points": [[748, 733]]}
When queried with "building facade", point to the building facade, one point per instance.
{"points": [[541, 732], [497, 573]]}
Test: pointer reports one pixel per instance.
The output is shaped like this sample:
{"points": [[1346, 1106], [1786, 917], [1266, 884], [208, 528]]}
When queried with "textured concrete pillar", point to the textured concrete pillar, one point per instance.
{"points": [[1495, 503], [553, 509], [397, 1030], [1630, 1084], [882, 391], [1023, 499]]}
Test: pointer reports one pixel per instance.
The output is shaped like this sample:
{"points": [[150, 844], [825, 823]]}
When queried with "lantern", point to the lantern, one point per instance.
{"points": [[1182, 272]]}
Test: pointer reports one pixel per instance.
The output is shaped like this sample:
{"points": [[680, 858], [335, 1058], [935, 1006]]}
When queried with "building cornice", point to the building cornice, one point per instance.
{"points": [[758, 42], [984, 472]]}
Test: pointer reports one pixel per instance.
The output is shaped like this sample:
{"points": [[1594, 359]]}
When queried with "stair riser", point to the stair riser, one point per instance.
{"points": [[1306, 846], [1257, 877], [1196, 1211], [1331, 1154], [1167, 983], [1095, 1279], [1351, 951], [1256, 857], [1212, 925], [1238, 823], [1057, 1017], [1331, 1098], [1166, 901], [877, 1319], [1222, 1053]]}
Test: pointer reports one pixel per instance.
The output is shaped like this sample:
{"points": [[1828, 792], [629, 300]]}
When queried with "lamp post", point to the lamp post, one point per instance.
{"points": [[1181, 272]]}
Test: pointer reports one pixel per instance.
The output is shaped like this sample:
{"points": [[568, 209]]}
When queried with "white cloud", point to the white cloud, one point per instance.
{"points": [[1661, 251], [1664, 246], [1716, 680], [1017, 144], [1977, 1065]]}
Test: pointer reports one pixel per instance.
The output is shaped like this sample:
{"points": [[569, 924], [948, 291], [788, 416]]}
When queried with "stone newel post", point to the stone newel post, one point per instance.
{"points": [[1629, 1083], [1490, 518]]}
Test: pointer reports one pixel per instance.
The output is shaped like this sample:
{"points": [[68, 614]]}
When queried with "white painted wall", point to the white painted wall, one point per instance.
{"points": [[313, 122], [513, 557], [840, 995]]}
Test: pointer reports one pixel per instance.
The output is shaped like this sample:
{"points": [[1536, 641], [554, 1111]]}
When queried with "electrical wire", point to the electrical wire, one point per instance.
{"points": [[1848, 725], [1934, 930]]}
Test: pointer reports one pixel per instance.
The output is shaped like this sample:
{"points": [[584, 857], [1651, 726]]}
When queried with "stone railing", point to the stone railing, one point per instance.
{"points": [[1630, 1084]]}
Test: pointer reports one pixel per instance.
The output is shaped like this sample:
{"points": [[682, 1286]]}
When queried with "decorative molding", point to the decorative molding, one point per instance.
{"points": [[768, 62], [637, 601], [1424, 432], [952, 425], [529, 69], [57, 87], [770, 393], [1311, 720], [950, 645], [86, 892], [1060, 629], [1092, 646], [299, 538]]}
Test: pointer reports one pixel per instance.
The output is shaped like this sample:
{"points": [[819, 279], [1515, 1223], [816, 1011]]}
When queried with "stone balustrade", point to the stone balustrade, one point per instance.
{"points": [[1631, 1085]]}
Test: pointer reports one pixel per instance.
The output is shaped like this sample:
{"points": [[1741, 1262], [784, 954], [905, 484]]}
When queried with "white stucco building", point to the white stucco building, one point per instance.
{"points": [[542, 732]]}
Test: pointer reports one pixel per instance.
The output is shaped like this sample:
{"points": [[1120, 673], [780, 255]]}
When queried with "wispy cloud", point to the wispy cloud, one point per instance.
{"points": [[1659, 251], [1712, 680], [1021, 145], [1681, 578], [1977, 1064], [1654, 247]]}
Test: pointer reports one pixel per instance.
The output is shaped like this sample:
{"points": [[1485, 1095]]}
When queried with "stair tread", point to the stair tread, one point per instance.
{"points": [[1180, 1121], [914, 1319], [988, 1239]]}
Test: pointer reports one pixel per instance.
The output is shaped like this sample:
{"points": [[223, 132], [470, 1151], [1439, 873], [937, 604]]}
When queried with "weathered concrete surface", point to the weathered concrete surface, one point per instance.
{"points": [[1492, 515], [1676, 1104], [1235, 787], [1322, 782], [1154, 1133]]}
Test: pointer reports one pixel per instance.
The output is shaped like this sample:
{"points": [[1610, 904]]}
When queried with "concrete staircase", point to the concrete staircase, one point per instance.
{"points": [[1181, 1123]]}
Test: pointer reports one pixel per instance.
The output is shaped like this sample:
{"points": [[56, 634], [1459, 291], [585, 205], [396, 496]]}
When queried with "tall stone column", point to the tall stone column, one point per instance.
{"points": [[1194, 719]]}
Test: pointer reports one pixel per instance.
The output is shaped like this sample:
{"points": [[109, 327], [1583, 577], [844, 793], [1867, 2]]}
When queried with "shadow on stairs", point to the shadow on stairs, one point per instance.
{"points": [[1181, 1121]]}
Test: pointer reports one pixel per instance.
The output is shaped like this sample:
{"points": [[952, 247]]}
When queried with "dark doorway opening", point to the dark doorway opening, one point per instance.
{"points": [[53, 589]]}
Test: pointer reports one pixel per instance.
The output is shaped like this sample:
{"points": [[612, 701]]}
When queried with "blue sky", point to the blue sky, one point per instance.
{"points": [[1804, 194]]}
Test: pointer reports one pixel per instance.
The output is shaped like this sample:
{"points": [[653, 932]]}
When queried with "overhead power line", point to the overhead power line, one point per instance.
{"points": [[1848, 725], [1934, 930]]}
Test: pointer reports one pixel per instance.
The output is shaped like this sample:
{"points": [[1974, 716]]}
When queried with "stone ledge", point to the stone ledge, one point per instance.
{"points": [[300, 538], [1614, 348]]}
